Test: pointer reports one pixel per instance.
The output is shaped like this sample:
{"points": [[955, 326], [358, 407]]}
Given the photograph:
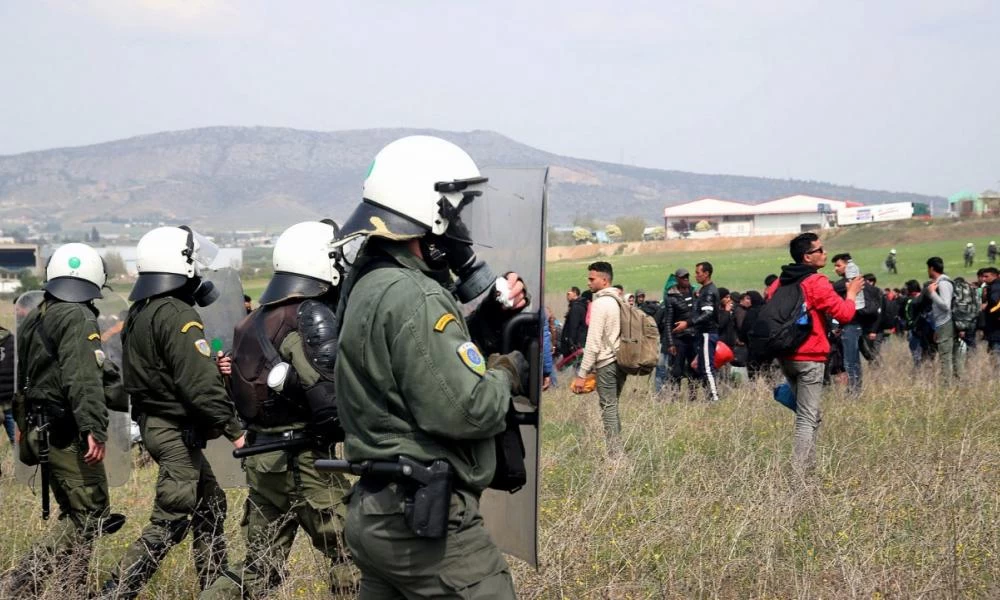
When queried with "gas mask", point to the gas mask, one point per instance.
{"points": [[453, 251], [202, 291]]}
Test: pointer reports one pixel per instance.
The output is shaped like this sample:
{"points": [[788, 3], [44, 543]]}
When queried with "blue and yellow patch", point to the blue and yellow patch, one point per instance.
{"points": [[472, 358], [203, 347]]}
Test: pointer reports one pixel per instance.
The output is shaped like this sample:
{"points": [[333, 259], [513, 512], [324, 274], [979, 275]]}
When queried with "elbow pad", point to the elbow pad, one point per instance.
{"points": [[318, 328]]}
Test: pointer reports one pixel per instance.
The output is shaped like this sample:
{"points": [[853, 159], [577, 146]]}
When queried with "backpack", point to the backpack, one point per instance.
{"points": [[965, 306], [639, 346], [873, 304], [782, 325]]}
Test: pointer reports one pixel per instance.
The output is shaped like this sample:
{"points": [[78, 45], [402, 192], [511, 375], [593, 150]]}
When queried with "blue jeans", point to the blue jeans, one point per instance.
{"points": [[851, 338], [662, 373], [8, 424]]}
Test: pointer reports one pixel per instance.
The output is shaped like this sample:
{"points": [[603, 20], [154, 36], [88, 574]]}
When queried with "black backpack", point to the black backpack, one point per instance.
{"points": [[783, 324], [873, 305]]}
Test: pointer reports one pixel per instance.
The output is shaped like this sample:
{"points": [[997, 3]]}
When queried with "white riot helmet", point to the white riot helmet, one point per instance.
{"points": [[893, 251], [305, 265], [417, 187], [75, 273], [992, 243], [969, 245], [168, 258]]}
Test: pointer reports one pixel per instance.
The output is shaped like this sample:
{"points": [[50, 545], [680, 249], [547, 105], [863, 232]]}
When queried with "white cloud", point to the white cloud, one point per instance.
{"points": [[191, 17]]}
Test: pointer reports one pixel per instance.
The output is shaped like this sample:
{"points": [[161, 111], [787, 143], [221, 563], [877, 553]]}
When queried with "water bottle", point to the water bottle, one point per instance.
{"points": [[803, 319], [850, 273]]}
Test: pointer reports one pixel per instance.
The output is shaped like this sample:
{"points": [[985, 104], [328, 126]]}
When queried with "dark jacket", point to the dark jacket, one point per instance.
{"points": [[991, 296], [574, 332], [675, 308], [6, 367], [705, 316]]}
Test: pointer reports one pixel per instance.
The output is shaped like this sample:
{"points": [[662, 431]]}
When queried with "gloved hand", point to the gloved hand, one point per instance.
{"points": [[516, 367]]}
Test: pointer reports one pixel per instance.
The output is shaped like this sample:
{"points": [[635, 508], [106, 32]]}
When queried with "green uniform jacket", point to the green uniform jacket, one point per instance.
{"points": [[73, 380], [169, 368], [408, 379]]}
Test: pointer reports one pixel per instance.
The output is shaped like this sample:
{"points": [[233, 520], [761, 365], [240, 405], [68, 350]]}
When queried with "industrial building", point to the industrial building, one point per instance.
{"points": [[15, 258], [710, 217]]}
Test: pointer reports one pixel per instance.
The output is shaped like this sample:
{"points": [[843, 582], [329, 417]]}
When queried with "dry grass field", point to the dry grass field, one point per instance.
{"points": [[904, 504]]}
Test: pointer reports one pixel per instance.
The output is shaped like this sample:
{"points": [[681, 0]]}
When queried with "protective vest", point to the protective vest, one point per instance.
{"points": [[256, 403]]}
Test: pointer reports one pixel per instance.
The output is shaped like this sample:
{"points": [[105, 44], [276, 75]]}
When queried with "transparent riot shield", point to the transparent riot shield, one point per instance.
{"points": [[112, 310], [25, 303], [508, 225], [117, 459], [220, 319]]}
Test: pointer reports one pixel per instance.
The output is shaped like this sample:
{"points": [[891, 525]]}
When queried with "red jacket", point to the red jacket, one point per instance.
{"points": [[822, 302]]}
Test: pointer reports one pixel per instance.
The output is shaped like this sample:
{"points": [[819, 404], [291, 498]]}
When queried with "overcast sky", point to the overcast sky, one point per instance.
{"points": [[892, 94]]}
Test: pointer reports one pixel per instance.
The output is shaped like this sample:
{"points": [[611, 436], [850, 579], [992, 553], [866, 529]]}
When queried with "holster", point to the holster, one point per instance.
{"points": [[193, 438], [428, 502]]}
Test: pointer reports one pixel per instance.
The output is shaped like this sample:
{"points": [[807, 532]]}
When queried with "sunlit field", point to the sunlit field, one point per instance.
{"points": [[904, 504]]}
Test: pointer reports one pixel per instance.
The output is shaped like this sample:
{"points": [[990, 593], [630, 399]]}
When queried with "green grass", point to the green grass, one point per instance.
{"points": [[904, 504], [746, 269]]}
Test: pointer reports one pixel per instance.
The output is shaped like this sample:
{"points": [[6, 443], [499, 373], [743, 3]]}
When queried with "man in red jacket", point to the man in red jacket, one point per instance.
{"points": [[804, 368]]}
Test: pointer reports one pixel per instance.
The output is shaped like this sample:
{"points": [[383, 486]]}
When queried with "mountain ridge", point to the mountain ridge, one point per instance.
{"points": [[274, 176]]}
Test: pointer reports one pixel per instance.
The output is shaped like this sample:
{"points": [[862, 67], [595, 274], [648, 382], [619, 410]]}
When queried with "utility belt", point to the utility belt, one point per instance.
{"points": [[258, 442], [427, 489], [193, 436], [57, 420]]}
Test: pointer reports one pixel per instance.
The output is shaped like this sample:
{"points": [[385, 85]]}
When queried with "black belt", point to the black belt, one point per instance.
{"points": [[258, 437]]}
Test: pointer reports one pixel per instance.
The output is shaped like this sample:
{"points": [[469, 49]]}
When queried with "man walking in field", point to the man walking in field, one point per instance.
{"points": [[804, 368], [941, 291], [601, 350]]}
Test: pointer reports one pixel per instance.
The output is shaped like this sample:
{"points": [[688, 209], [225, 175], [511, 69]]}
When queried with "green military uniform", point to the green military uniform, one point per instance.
{"points": [[177, 393], [286, 492], [410, 382], [61, 375]]}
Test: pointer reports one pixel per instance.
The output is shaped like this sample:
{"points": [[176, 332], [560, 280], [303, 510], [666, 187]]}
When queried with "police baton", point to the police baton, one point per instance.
{"points": [[254, 450]]}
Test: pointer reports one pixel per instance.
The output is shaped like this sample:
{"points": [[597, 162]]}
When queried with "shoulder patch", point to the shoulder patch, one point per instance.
{"points": [[203, 347], [94, 336], [99, 355], [191, 324], [443, 322], [472, 358]]}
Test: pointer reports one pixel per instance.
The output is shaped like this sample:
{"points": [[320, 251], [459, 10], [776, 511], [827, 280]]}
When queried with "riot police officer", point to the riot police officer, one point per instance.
{"points": [[413, 386], [179, 400], [62, 409], [282, 384]]}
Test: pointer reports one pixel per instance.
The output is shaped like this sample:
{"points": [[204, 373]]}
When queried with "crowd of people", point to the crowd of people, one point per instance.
{"points": [[841, 325]]}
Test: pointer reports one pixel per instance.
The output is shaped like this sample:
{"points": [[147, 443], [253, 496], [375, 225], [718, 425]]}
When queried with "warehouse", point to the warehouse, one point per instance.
{"points": [[710, 217]]}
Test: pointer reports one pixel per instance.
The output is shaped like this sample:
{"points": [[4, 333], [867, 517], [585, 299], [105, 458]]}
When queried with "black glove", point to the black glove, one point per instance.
{"points": [[516, 366]]}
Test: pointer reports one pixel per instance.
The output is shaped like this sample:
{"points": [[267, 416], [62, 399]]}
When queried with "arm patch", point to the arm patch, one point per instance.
{"points": [[94, 336], [191, 324], [443, 322]]}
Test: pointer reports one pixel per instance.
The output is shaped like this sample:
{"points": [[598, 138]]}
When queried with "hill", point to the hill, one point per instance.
{"points": [[272, 177]]}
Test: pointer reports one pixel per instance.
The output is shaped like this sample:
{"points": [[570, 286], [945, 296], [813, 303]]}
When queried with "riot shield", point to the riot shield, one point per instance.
{"points": [[220, 319], [117, 459], [25, 303], [112, 310], [508, 225]]}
